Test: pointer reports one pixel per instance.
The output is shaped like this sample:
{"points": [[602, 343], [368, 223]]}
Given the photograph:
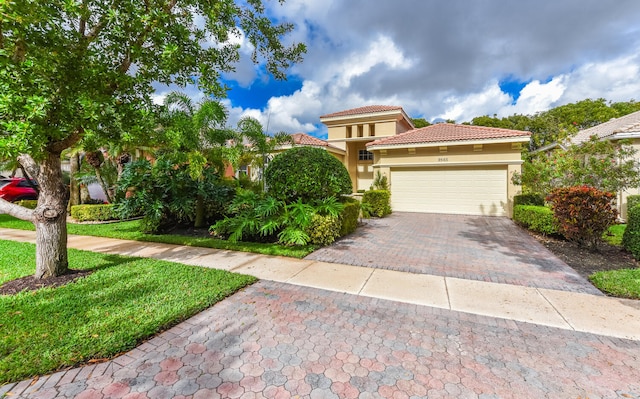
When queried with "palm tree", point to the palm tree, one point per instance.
{"points": [[195, 134], [260, 145]]}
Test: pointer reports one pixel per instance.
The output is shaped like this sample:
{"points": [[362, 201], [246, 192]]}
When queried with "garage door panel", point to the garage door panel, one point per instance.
{"points": [[473, 191]]}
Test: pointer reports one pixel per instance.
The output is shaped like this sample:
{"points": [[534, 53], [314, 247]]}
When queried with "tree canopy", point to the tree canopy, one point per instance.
{"points": [[73, 71], [561, 122]]}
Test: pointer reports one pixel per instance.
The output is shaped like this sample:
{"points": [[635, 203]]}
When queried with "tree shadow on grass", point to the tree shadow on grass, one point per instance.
{"points": [[30, 283]]}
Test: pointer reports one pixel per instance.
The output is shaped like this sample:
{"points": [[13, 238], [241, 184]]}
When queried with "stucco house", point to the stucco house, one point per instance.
{"points": [[442, 168], [624, 128], [352, 129], [303, 139]]}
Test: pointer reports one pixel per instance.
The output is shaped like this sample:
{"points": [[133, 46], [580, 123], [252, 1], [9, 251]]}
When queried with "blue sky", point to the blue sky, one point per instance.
{"points": [[453, 59]]}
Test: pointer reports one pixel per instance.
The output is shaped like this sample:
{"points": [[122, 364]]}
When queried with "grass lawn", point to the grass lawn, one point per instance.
{"points": [[131, 231], [624, 283], [124, 301], [614, 234]]}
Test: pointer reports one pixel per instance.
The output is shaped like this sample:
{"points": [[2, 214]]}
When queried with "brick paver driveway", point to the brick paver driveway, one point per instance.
{"points": [[471, 247], [274, 340]]}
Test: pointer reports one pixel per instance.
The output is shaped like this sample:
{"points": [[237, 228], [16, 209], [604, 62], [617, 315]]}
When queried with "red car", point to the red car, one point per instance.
{"points": [[16, 189]]}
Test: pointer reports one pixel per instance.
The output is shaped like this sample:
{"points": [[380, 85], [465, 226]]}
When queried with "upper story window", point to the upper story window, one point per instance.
{"points": [[349, 133], [360, 131], [364, 155], [372, 129]]}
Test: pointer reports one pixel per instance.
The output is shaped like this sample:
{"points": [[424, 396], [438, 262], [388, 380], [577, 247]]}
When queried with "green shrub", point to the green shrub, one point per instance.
{"points": [[31, 204], [323, 229], [308, 174], [632, 201], [583, 213], [631, 236], [380, 182], [165, 194], [260, 217], [84, 213], [536, 218], [528, 199], [377, 202], [349, 216]]}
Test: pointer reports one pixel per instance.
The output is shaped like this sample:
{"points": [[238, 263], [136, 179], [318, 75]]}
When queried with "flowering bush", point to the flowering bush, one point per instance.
{"points": [[583, 213]]}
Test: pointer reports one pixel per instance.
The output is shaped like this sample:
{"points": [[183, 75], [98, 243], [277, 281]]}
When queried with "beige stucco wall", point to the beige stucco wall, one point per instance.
{"points": [[622, 197], [461, 155]]}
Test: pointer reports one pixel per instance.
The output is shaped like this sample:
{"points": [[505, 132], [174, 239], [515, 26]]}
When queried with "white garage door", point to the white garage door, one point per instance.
{"points": [[467, 191]]}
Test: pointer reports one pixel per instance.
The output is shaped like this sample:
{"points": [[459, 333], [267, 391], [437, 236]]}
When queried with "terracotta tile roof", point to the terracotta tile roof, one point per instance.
{"points": [[625, 124], [305, 139], [369, 109], [445, 132]]}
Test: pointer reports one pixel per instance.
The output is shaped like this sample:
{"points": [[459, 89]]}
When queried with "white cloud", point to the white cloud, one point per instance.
{"points": [[445, 59], [615, 80]]}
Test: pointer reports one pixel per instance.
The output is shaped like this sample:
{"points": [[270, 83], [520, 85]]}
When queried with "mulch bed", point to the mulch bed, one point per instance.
{"points": [[585, 262], [29, 283]]}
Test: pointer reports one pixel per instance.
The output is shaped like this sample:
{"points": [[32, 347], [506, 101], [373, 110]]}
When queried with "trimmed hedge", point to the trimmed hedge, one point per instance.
{"points": [[306, 173], [631, 236], [536, 218], [84, 213], [632, 201], [323, 229], [31, 204], [528, 199], [378, 202], [349, 217]]}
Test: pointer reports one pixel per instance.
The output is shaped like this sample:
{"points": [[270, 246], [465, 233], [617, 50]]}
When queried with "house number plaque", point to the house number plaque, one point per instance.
{"points": [[443, 159]]}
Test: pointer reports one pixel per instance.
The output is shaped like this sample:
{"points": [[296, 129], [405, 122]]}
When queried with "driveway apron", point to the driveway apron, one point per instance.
{"points": [[470, 247], [274, 340]]}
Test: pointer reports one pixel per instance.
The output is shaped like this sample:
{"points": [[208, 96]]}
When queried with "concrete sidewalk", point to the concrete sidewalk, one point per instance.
{"points": [[607, 316]]}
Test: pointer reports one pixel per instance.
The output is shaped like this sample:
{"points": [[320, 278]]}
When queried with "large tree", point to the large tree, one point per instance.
{"points": [[77, 69]]}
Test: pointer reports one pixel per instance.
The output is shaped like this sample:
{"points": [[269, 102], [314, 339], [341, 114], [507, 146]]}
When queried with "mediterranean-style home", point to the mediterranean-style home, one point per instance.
{"points": [[623, 128], [442, 168]]}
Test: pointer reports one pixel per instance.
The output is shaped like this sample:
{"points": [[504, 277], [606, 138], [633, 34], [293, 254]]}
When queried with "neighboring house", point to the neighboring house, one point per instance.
{"points": [[624, 128], [297, 140], [305, 140], [352, 129], [442, 168]]}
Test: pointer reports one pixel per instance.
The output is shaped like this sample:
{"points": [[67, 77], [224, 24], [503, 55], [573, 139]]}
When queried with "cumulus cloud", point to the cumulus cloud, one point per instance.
{"points": [[446, 59]]}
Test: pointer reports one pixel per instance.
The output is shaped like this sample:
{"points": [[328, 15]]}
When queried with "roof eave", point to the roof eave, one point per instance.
{"points": [[503, 140], [623, 136], [324, 119]]}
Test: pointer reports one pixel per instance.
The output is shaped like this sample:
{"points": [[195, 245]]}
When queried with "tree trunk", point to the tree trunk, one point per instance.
{"points": [[199, 222], [74, 186], [50, 219], [103, 184]]}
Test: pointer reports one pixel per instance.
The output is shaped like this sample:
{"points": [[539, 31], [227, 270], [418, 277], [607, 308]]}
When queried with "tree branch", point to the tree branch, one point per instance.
{"points": [[30, 165], [70, 140], [16, 211]]}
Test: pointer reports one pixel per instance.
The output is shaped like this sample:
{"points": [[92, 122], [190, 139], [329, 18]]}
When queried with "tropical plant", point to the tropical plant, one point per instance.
{"points": [[260, 146], [608, 166], [261, 217], [166, 195], [583, 213], [380, 182], [195, 135]]}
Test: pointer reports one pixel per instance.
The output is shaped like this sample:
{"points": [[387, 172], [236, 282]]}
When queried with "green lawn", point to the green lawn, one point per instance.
{"points": [[614, 234], [124, 301], [623, 283], [130, 230]]}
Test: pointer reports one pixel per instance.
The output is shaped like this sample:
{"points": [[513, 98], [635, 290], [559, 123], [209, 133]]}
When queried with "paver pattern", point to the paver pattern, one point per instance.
{"points": [[274, 340], [469, 247]]}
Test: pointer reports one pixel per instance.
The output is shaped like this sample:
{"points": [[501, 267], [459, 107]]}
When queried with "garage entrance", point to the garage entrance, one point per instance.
{"points": [[480, 190]]}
